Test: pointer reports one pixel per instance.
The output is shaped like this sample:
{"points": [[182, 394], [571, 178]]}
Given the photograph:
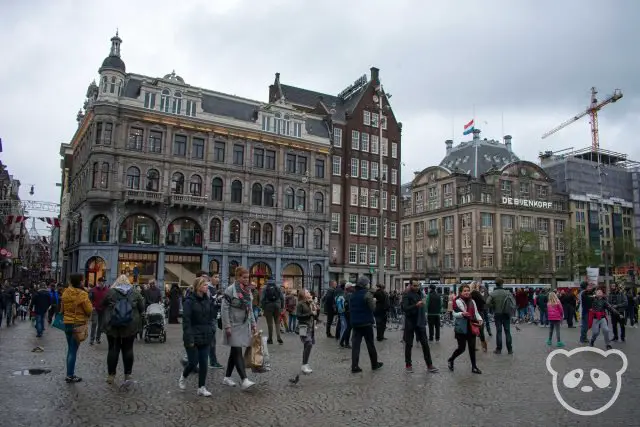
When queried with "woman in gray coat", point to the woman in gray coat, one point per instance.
{"points": [[239, 325]]}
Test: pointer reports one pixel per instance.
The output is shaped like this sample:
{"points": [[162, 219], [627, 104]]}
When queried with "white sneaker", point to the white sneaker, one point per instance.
{"points": [[182, 383], [306, 369], [246, 384], [204, 392], [228, 381]]}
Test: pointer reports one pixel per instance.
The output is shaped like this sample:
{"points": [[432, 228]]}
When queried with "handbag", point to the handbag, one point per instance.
{"points": [[58, 321], [475, 328], [80, 332], [303, 330], [253, 355]]}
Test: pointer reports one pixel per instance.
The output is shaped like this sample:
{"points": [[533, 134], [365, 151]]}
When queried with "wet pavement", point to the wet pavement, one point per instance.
{"points": [[513, 389]]}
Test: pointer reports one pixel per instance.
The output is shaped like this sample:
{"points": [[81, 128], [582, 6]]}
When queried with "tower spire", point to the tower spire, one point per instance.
{"points": [[115, 45]]}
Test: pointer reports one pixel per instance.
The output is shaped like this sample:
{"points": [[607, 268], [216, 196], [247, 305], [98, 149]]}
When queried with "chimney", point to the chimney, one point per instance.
{"points": [[476, 134], [375, 74], [507, 142], [449, 144], [277, 77]]}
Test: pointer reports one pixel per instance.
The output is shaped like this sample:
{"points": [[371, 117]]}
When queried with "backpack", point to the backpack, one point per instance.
{"points": [[509, 306], [271, 294], [122, 313]]}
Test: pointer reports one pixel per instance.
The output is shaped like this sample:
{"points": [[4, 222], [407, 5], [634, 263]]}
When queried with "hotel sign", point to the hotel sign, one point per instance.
{"points": [[527, 203]]}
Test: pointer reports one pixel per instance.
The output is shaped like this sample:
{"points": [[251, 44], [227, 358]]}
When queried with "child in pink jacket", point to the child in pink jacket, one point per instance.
{"points": [[555, 315]]}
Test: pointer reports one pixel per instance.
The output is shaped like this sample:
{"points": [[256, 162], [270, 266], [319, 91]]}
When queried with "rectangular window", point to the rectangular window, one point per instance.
{"points": [[373, 226], [394, 230], [155, 141], [291, 163], [197, 148], [297, 129], [394, 176], [364, 169], [136, 137], [392, 257], [384, 122], [266, 124], [191, 109], [336, 194], [375, 174], [355, 140], [448, 223], [335, 222], [367, 118], [486, 219], [337, 137], [373, 199], [394, 203], [353, 253], [354, 195], [353, 224], [384, 144], [384, 199], [506, 222], [218, 151], [319, 168], [336, 164], [302, 165], [180, 145], [107, 134], [374, 120], [385, 173], [394, 150], [354, 168], [150, 100], [238, 154], [364, 142], [98, 140], [373, 255], [362, 254], [487, 239], [375, 144], [258, 158], [364, 197], [364, 225], [270, 160]]}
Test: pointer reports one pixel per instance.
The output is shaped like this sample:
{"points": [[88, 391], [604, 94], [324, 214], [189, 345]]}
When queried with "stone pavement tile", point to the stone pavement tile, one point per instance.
{"points": [[513, 390]]}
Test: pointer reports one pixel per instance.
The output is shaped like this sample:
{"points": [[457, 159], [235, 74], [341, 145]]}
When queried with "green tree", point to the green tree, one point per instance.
{"points": [[578, 254], [624, 251], [526, 259]]}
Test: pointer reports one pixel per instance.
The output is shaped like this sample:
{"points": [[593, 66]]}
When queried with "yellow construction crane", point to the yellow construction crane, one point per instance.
{"points": [[593, 112]]}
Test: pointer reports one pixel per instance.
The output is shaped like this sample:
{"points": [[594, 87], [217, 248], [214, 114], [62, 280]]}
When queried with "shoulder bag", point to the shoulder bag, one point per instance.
{"points": [[80, 332]]}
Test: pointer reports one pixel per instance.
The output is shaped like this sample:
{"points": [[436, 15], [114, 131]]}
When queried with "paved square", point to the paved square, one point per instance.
{"points": [[513, 390]]}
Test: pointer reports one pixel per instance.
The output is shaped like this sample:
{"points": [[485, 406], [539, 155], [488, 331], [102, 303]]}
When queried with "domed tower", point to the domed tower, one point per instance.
{"points": [[112, 72]]}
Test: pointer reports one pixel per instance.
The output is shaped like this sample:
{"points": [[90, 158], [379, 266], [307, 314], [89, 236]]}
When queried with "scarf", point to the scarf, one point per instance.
{"points": [[244, 295], [470, 308]]}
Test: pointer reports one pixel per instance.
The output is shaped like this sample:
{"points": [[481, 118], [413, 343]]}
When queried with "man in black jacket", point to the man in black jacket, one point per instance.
{"points": [[40, 305], [330, 308], [434, 308], [415, 323], [380, 312]]}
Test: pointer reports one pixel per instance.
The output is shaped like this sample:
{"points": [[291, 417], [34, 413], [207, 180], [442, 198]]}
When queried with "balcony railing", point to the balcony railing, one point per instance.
{"points": [[188, 200], [433, 232], [143, 196]]}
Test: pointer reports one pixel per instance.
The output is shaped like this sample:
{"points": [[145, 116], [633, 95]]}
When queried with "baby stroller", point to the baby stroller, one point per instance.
{"points": [[154, 328]]}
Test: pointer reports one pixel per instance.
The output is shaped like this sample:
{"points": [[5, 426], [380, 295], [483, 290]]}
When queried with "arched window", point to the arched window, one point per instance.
{"points": [[318, 241], [104, 84], [255, 231], [215, 232], [96, 175], [177, 183], [164, 101], [112, 86], [236, 192], [153, 180], [287, 236], [139, 230], [99, 230], [318, 202], [301, 200], [289, 199], [269, 196], [104, 175], [267, 235], [184, 232], [133, 178], [217, 189], [234, 231], [299, 243], [177, 103], [256, 194], [195, 185]]}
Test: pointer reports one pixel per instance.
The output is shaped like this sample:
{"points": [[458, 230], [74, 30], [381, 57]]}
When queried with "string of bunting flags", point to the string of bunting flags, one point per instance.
{"points": [[17, 219]]}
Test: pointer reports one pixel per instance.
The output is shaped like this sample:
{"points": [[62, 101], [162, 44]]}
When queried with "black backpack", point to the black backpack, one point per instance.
{"points": [[272, 294], [122, 314]]}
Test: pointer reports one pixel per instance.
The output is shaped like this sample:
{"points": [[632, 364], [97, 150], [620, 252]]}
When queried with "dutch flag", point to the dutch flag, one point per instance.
{"points": [[468, 128]]}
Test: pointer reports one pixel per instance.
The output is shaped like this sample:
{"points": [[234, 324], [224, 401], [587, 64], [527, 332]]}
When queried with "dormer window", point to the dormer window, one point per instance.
{"points": [[150, 100], [191, 109], [164, 101], [177, 103], [281, 124]]}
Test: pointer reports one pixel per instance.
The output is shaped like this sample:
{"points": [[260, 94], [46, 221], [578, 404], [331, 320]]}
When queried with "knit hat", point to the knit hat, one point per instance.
{"points": [[362, 282]]}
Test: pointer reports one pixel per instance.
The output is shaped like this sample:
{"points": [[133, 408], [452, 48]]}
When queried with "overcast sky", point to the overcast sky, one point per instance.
{"points": [[526, 66]]}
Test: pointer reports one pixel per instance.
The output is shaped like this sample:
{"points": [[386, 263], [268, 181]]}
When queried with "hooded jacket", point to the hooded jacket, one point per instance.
{"points": [[116, 293], [197, 317], [76, 307]]}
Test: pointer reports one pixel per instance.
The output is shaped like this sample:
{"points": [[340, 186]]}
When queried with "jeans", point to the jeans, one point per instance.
{"points": [[381, 325], [522, 313], [119, 345], [308, 342], [615, 321], [39, 324], [359, 333], [485, 320], [72, 350], [503, 321], [96, 325], [236, 360], [213, 358], [597, 326], [584, 326], [554, 324], [197, 356], [468, 340], [256, 312], [293, 322], [273, 316], [531, 310], [544, 317], [434, 326], [345, 334], [421, 337]]}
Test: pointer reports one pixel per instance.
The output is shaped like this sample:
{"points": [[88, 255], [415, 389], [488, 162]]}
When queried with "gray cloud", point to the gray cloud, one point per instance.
{"points": [[529, 62]]}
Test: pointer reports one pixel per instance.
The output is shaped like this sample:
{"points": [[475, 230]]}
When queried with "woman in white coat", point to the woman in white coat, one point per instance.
{"points": [[467, 320], [239, 325]]}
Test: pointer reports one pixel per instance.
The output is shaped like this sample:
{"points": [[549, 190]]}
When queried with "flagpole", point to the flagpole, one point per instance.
{"points": [[474, 115]]}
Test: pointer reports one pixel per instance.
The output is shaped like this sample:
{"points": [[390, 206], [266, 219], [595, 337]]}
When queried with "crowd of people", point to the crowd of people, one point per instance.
{"points": [[358, 312]]}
